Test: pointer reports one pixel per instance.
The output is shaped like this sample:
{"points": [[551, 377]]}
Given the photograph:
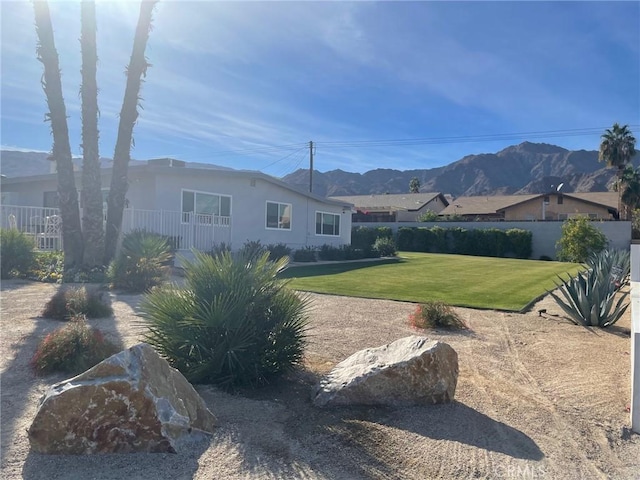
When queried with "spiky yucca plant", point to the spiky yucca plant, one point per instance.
{"points": [[233, 323], [589, 297]]}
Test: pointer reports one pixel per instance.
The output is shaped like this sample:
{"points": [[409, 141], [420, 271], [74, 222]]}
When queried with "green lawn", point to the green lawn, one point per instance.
{"points": [[461, 280]]}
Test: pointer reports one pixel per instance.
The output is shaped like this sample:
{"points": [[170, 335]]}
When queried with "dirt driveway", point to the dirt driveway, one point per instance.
{"points": [[537, 397]]}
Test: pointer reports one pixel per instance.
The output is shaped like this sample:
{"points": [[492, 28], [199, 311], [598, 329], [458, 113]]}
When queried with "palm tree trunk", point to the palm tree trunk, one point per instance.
{"points": [[128, 115], [61, 151], [92, 216]]}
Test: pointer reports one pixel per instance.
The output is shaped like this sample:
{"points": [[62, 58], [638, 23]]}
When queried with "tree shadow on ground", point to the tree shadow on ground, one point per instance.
{"points": [[18, 379], [183, 465], [302, 271]]}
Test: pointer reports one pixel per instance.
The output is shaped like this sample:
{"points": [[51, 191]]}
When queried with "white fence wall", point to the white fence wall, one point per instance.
{"points": [[545, 234], [186, 230]]}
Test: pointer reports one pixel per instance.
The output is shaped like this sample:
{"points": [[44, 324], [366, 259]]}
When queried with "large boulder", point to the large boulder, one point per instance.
{"points": [[409, 371], [133, 401]]}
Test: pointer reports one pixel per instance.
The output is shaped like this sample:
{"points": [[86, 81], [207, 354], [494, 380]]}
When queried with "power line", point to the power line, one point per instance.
{"points": [[466, 138]]}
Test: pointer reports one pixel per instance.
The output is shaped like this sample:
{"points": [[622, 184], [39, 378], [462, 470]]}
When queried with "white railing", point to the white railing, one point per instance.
{"points": [[185, 230]]}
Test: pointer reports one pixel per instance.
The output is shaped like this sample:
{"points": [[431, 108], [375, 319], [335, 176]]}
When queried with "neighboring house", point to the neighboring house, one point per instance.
{"points": [[200, 207], [403, 207], [538, 207]]}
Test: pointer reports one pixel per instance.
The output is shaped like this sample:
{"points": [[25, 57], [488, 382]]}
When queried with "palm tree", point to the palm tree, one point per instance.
{"points": [[128, 115], [92, 215], [61, 151], [616, 150]]}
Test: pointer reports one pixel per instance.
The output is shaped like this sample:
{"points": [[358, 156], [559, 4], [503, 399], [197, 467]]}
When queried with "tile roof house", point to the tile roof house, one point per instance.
{"points": [[402, 207], [537, 207]]}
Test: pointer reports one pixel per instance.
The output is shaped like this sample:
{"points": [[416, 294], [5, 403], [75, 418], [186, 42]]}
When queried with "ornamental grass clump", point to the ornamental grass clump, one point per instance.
{"points": [[436, 315], [143, 262], [589, 298], [234, 322], [73, 301], [72, 348]]}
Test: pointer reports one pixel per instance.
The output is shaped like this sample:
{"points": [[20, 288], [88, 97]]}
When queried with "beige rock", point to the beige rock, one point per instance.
{"points": [[131, 402], [409, 371]]}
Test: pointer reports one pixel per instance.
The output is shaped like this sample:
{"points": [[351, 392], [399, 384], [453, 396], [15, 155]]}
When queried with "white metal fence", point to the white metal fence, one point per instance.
{"points": [[184, 230]]}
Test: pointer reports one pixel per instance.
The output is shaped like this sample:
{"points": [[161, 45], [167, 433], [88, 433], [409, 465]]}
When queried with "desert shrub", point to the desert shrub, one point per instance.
{"points": [[233, 323], [588, 298], [579, 240], [143, 262], [72, 348], [252, 249], [219, 248], [70, 302], [277, 251], [436, 315], [47, 267], [306, 254], [519, 242], [17, 252], [385, 247]]}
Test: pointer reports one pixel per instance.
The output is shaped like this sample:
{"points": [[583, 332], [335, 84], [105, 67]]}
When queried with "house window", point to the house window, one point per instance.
{"points": [[327, 224], [205, 206], [279, 215], [560, 200]]}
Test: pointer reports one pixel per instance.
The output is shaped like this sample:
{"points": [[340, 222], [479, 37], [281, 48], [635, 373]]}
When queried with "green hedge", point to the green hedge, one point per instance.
{"points": [[487, 242], [364, 238]]}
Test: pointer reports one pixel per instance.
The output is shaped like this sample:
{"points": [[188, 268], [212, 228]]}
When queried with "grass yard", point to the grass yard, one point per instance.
{"points": [[460, 280]]}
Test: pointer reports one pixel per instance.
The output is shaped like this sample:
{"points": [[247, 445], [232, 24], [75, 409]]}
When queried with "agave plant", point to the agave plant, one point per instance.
{"points": [[233, 323], [616, 262], [589, 297]]}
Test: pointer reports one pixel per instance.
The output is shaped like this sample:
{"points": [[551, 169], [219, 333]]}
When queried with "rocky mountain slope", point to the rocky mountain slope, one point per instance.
{"points": [[519, 169]]}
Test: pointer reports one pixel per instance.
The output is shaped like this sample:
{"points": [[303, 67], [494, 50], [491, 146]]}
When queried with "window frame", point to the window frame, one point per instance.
{"points": [[322, 234], [195, 203], [279, 204]]}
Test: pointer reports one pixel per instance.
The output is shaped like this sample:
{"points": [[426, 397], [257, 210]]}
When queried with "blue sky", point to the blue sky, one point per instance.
{"points": [[249, 84]]}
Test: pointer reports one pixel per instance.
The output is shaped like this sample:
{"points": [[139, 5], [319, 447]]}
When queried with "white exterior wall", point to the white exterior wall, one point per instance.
{"points": [[248, 207]]}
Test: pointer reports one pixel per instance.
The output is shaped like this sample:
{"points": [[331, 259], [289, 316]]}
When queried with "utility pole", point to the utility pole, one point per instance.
{"points": [[310, 166]]}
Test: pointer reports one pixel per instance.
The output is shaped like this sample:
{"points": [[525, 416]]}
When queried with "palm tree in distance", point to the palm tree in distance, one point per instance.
{"points": [[617, 148]]}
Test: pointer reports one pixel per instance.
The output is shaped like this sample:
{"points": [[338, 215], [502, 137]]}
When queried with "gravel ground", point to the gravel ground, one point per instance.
{"points": [[537, 397]]}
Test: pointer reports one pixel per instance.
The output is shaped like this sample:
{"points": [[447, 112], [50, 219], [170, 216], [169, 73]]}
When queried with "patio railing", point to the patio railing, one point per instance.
{"points": [[183, 230]]}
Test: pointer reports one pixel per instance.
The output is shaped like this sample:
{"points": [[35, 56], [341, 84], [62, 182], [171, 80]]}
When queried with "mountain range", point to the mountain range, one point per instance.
{"points": [[518, 169], [526, 168]]}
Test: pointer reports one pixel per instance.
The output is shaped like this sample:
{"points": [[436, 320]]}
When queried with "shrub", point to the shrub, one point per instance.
{"points": [[404, 238], [73, 348], [385, 247], [428, 216], [588, 298], [85, 274], [17, 252], [219, 248], [252, 249], [142, 263], [277, 251], [579, 240], [47, 267], [307, 254], [519, 242], [70, 302], [234, 322], [328, 252], [436, 315]]}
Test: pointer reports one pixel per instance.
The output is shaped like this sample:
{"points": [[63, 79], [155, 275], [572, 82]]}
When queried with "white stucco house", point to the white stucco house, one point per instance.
{"points": [[199, 207]]}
